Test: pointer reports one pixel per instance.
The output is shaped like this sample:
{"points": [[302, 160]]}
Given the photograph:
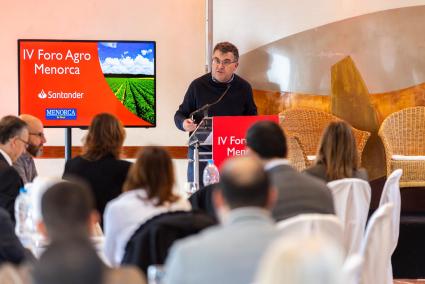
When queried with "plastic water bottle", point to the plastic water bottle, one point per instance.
{"points": [[22, 214], [211, 174]]}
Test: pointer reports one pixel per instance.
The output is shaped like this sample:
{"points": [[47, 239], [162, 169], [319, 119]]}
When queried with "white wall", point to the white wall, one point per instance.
{"points": [[253, 23], [178, 27]]}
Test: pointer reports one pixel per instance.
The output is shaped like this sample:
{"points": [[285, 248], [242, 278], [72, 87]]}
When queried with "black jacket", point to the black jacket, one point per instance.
{"points": [[105, 176], [10, 182], [151, 242]]}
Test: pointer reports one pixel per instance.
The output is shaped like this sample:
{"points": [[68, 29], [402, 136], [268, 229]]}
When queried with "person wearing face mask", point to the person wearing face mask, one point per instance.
{"points": [[25, 164], [209, 88]]}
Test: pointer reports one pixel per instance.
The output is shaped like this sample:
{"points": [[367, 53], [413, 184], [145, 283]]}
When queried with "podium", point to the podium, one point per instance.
{"points": [[201, 136], [227, 139]]}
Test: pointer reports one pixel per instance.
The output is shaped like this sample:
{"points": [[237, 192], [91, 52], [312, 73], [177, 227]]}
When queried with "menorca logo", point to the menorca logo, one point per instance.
{"points": [[42, 94]]}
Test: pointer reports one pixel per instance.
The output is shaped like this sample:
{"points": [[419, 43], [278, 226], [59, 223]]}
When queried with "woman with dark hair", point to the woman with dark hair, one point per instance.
{"points": [[337, 157], [99, 165], [148, 191]]}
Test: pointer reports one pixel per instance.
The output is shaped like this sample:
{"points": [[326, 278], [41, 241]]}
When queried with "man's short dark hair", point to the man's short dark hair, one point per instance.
{"points": [[66, 208], [10, 126], [69, 262], [225, 47], [267, 139], [244, 183]]}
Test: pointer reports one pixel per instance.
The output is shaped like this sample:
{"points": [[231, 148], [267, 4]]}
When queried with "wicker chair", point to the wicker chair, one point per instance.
{"points": [[296, 154], [308, 125], [403, 136]]}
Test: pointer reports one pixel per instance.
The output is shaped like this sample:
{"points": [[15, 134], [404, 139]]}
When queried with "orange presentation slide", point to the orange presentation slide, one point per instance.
{"points": [[66, 83]]}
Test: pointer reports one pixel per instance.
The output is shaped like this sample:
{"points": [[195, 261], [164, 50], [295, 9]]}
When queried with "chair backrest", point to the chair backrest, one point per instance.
{"points": [[391, 193], [296, 154], [202, 201], [377, 247], [352, 269], [308, 125], [306, 225], [301, 260], [403, 132], [352, 200], [151, 242]]}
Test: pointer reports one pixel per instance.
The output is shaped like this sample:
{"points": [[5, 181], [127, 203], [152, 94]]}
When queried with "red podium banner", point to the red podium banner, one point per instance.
{"points": [[229, 135]]}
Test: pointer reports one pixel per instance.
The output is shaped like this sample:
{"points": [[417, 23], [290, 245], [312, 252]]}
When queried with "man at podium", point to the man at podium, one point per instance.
{"points": [[219, 93]]}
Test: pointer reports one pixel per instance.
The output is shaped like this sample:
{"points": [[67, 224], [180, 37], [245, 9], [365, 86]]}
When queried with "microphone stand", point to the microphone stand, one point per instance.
{"points": [[205, 107], [196, 143]]}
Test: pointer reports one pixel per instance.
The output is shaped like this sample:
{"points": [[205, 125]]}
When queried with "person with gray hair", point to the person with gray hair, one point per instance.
{"points": [[229, 253], [13, 142], [25, 164]]}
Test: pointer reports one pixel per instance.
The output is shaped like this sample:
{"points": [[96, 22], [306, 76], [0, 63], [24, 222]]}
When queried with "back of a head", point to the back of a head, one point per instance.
{"points": [[105, 136], [66, 209], [153, 171], [69, 262], [267, 139], [244, 183], [338, 151], [305, 260], [31, 121], [10, 126]]}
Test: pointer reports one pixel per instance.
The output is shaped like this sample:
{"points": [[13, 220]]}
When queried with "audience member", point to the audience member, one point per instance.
{"points": [[148, 191], [229, 253], [69, 217], [337, 157], [67, 210], [301, 261], [25, 163], [297, 193], [13, 142], [99, 165], [69, 262], [11, 249]]}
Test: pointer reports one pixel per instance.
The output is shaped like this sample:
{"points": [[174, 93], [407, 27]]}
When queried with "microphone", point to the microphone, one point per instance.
{"points": [[205, 107]]}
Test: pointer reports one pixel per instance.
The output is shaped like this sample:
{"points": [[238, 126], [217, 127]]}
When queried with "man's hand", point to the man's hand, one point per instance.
{"points": [[189, 125]]}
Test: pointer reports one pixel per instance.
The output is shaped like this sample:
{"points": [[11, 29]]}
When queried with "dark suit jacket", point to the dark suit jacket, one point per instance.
{"points": [[298, 193], [105, 177], [10, 182], [11, 249]]}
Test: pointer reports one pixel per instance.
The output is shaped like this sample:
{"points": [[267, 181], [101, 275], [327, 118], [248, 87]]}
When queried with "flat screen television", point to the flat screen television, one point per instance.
{"points": [[66, 83]]}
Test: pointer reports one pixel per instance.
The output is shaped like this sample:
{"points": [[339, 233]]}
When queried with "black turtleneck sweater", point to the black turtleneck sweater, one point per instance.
{"points": [[203, 90]]}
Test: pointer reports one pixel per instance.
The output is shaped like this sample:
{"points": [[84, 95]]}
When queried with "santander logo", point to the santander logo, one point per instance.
{"points": [[42, 94]]}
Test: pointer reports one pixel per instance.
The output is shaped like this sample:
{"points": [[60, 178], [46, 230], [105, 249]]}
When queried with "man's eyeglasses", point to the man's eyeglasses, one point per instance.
{"points": [[225, 62], [39, 134], [27, 144]]}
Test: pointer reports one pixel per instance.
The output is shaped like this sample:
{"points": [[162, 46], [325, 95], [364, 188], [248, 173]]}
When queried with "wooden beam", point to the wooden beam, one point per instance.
{"points": [[128, 152]]}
